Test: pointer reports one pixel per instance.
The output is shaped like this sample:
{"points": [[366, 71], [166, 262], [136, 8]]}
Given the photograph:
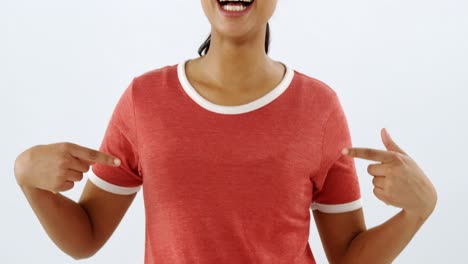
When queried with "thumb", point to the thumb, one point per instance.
{"points": [[389, 143]]}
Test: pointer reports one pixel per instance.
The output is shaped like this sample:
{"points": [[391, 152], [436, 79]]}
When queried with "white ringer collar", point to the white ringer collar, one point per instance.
{"points": [[235, 109]]}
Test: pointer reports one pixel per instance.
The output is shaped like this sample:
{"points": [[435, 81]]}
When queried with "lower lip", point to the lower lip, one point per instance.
{"points": [[234, 13]]}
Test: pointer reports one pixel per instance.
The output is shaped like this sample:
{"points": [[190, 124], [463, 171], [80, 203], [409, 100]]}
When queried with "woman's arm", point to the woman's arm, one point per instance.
{"points": [[383, 243], [346, 239], [397, 181], [65, 221], [78, 229]]}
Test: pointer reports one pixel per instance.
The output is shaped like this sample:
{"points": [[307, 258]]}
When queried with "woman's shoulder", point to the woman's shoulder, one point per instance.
{"points": [[313, 84], [156, 73], [153, 83]]}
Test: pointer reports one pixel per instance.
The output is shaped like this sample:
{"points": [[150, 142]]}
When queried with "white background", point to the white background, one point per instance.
{"points": [[397, 64]]}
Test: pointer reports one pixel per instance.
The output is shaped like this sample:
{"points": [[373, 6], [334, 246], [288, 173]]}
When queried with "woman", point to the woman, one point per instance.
{"points": [[232, 149]]}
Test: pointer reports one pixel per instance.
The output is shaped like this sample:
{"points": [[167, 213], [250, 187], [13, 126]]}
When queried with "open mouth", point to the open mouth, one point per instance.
{"points": [[235, 5]]}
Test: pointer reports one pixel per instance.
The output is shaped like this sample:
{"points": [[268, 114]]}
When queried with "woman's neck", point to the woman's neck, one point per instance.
{"points": [[237, 63]]}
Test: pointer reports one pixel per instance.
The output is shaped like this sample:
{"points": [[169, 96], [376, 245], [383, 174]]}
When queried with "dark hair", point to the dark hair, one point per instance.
{"points": [[206, 45]]}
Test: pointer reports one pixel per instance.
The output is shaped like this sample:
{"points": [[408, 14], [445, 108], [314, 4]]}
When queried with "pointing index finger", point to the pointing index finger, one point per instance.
{"points": [[93, 156], [369, 154]]}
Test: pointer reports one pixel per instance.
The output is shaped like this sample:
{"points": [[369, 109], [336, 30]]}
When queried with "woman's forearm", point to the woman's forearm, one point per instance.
{"points": [[383, 243], [400, 182], [64, 220]]}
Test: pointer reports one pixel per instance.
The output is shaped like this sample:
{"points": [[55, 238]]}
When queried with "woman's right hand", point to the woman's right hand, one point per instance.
{"points": [[55, 167]]}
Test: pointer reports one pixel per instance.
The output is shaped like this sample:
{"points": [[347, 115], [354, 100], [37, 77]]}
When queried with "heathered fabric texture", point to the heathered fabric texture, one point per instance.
{"points": [[232, 187]]}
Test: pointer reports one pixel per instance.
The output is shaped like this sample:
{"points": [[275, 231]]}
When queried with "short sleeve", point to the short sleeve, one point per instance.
{"points": [[336, 185], [120, 140]]}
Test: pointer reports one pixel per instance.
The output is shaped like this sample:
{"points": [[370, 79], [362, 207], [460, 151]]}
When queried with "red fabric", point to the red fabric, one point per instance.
{"points": [[224, 188]]}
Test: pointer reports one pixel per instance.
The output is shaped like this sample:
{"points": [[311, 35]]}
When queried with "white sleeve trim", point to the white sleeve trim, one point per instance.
{"points": [[337, 208], [111, 187]]}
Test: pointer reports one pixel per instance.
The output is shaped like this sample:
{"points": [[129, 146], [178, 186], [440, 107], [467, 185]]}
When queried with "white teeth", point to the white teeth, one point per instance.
{"points": [[235, 8], [246, 1]]}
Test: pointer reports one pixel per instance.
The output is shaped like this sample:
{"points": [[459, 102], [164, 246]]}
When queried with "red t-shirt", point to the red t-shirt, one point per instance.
{"points": [[229, 184]]}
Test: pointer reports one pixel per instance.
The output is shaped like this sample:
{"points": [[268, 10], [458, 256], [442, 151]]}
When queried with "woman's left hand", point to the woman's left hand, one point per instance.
{"points": [[398, 180]]}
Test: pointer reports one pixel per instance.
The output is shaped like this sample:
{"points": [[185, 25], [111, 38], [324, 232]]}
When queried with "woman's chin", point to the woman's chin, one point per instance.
{"points": [[232, 31]]}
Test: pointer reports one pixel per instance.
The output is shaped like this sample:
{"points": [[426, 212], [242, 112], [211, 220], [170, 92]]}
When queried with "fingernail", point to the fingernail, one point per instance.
{"points": [[116, 162], [345, 151], [388, 134]]}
